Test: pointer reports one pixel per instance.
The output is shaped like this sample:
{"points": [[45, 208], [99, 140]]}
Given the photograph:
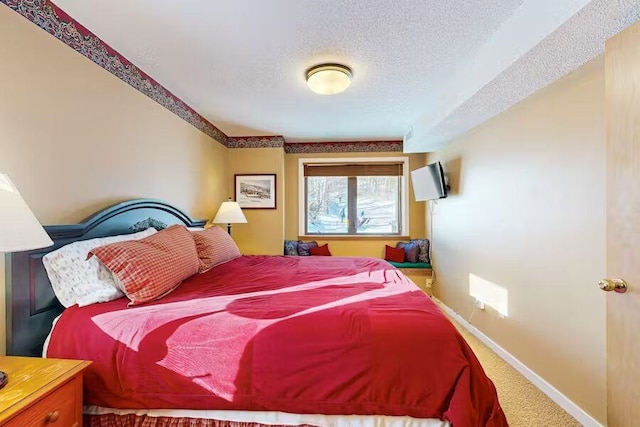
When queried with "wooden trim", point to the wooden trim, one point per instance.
{"points": [[563, 401], [427, 272], [354, 169], [352, 204]]}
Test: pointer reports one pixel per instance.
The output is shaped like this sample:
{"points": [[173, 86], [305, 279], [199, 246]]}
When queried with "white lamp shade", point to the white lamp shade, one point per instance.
{"points": [[19, 228], [229, 213]]}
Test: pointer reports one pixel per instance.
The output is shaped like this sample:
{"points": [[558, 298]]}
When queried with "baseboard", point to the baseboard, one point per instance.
{"points": [[563, 401]]}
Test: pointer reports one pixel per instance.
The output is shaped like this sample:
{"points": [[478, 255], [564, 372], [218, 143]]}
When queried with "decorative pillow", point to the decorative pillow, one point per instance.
{"points": [[423, 251], [410, 251], [152, 267], [215, 246], [303, 247], [320, 250], [291, 247], [393, 254], [78, 280]]}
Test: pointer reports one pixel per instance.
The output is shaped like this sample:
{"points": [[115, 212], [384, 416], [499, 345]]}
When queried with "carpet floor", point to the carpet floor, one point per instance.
{"points": [[522, 402]]}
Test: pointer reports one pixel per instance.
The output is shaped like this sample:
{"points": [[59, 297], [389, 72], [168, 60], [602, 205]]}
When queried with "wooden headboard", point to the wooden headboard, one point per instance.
{"points": [[31, 303]]}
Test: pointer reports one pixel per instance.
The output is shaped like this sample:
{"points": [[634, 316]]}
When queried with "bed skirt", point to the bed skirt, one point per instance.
{"points": [[133, 420], [95, 416]]}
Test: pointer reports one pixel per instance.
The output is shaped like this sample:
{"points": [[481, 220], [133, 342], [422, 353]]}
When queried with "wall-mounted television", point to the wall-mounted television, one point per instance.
{"points": [[429, 182]]}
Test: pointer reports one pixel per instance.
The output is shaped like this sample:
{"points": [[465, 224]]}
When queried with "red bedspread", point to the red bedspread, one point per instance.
{"points": [[325, 335]]}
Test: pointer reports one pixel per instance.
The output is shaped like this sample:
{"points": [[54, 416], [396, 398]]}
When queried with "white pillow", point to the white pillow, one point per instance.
{"points": [[78, 280]]}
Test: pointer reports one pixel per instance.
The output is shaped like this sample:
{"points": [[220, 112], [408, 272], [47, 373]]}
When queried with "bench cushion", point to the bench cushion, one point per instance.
{"points": [[410, 264]]}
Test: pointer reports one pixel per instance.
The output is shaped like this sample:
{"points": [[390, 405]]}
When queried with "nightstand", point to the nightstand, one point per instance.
{"points": [[41, 392]]}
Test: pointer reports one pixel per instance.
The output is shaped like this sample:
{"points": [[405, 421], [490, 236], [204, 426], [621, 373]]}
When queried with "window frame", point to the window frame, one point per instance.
{"points": [[403, 229]]}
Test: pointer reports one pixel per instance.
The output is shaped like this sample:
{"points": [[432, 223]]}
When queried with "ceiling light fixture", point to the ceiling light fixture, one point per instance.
{"points": [[328, 79]]}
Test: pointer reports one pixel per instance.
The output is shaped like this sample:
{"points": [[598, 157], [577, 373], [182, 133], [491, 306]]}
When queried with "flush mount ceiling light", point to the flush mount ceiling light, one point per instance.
{"points": [[328, 79]]}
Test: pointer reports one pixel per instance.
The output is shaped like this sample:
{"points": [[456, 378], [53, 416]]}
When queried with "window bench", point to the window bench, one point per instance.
{"points": [[420, 265], [419, 272]]}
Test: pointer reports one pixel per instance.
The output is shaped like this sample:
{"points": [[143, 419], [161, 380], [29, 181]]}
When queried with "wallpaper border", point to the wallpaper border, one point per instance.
{"points": [[59, 24], [276, 141], [55, 21], [343, 147], [315, 147]]}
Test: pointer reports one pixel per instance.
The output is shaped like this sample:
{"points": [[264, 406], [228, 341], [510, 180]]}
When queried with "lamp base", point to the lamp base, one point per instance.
{"points": [[4, 379], [229, 229]]}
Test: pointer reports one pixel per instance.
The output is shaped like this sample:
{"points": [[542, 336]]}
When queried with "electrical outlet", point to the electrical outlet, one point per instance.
{"points": [[479, 304], [429, 282]]}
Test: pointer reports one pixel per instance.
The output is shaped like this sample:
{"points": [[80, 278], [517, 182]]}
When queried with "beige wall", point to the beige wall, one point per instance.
{"points": [[75, 139], [350, 247], [528, 214], [266, 230], [263, 234]]}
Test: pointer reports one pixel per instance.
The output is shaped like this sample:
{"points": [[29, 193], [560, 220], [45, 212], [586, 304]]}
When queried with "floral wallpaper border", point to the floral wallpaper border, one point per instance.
{"points": [[59, 24], [343, 147], [56, 22], [314, 147], [256, 142]]}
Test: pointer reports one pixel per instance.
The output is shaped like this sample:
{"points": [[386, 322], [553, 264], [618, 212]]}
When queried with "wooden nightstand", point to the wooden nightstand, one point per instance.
{"points": [[41, 392]]}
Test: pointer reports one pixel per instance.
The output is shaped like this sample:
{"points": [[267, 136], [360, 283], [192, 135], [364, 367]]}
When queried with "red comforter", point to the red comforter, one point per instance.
{"points": [[324, 335]]}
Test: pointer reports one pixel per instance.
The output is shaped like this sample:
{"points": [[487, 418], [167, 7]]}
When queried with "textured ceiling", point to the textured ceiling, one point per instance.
{"points": [[438, 67], [241, 63], [578, 40]]}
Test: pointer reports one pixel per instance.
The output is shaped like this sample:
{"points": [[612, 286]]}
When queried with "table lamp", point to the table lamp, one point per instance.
{"points": [[19, 228], [229, 213]]}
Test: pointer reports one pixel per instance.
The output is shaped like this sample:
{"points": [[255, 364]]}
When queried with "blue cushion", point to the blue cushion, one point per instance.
{"points": [[411, 251], [291, 247], [303, 247]]}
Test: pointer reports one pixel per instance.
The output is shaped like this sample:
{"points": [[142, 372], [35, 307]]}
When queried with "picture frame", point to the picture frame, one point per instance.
{"points": [[255, 191]]}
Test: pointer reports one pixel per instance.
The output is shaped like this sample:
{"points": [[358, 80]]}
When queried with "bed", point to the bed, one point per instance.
{"points": [[259, 340]]}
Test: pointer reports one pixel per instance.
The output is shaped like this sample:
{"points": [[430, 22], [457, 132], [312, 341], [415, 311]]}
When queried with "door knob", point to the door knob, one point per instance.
{"points": [[618, 285]]}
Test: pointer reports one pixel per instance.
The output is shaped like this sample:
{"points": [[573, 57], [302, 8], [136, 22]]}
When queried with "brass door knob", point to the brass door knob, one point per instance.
{"points": [[618, 285]]}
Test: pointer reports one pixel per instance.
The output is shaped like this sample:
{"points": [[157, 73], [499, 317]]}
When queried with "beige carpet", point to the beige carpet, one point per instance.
{"points": [[523, 403]]}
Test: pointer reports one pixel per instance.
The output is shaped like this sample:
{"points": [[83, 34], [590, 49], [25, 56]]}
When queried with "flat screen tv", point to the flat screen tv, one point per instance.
{"points": [[429, 182]]}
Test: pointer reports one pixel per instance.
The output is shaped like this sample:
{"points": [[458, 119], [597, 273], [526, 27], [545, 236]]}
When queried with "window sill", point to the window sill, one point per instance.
{"points": [[354, 237]]}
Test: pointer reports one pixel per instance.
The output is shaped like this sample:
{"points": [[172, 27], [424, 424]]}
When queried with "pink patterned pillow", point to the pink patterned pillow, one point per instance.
{"points": [[149, 268], [215, 246]]}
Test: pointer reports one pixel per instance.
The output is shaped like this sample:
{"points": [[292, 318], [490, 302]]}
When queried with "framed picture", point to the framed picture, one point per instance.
{"points": [[256, 191]]}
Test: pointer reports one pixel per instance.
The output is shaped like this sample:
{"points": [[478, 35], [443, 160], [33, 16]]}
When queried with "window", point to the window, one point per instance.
{"points": [[353, 196]]}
